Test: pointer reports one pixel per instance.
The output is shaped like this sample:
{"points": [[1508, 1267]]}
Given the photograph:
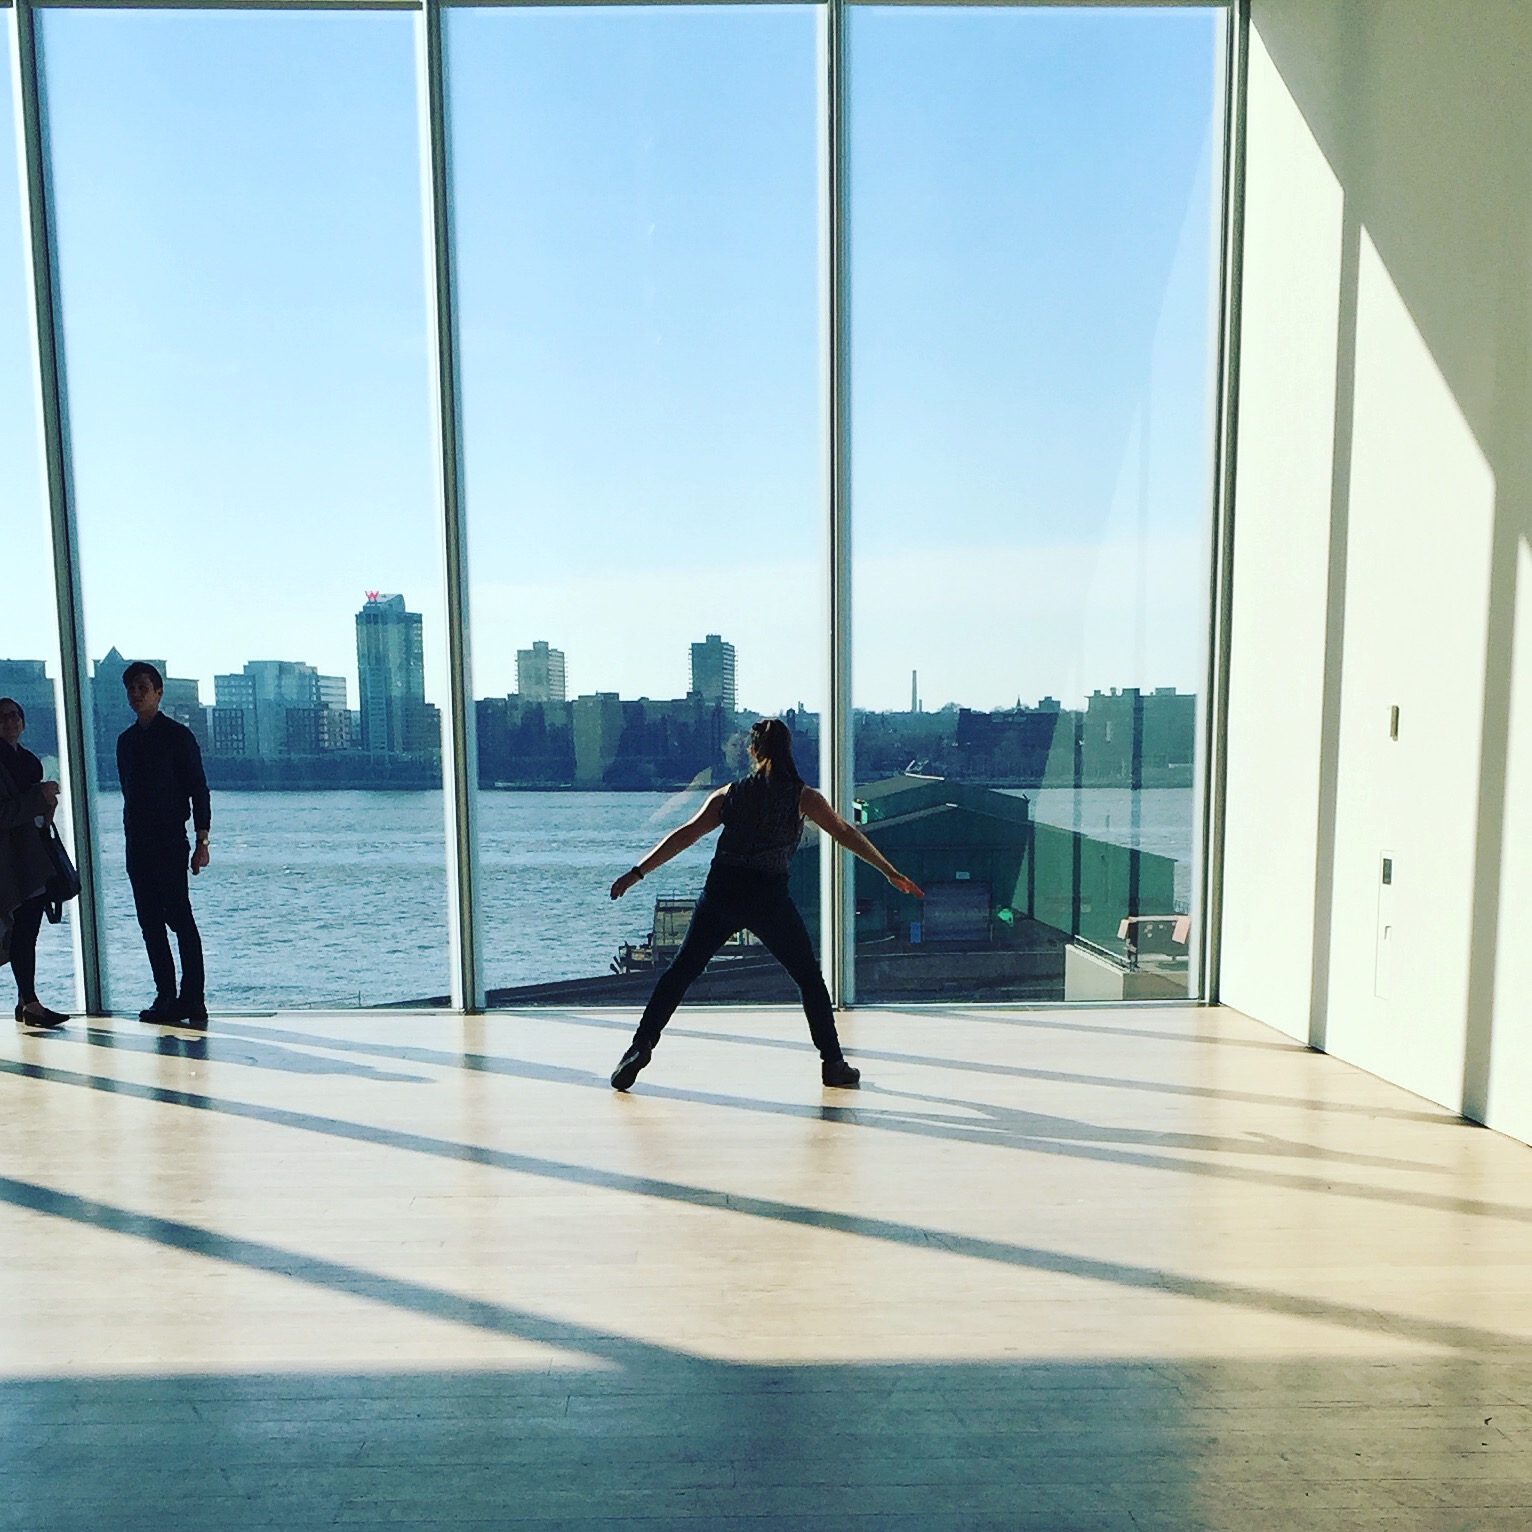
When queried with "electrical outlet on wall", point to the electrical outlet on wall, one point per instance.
{"points": [[1383, 962]]}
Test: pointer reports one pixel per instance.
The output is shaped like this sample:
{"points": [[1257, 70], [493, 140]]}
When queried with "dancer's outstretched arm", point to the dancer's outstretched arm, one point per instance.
{"points": [[703, 822], [816, 806]]}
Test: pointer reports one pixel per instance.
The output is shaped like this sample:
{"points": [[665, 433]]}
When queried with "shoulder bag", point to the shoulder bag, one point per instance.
{"points": [[64, 881]]}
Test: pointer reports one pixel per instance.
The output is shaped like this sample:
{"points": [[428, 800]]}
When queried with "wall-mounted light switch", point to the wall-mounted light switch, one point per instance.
{"points": [[1383, 955]]}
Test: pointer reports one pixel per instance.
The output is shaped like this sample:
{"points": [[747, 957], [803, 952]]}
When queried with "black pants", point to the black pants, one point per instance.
{"points": [[158, 872], [26, 922], [736, 899]]}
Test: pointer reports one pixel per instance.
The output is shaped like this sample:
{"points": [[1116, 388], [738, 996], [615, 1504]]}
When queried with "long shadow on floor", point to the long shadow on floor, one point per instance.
{"points": [[970, 1122], [665, 1441], [249, 1050], [1121, 1275], [491, 1064], [851, 1117], [616, 1432]]}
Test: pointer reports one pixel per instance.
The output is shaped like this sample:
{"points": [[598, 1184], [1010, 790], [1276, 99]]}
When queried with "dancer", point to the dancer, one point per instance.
{"points": [[762, 819]]}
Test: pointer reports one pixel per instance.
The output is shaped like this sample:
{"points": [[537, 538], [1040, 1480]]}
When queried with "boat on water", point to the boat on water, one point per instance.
{"points": [[672, 919]]}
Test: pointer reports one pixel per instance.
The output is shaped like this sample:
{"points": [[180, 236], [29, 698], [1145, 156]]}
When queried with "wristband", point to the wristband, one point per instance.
{"points": [[636, 873]]}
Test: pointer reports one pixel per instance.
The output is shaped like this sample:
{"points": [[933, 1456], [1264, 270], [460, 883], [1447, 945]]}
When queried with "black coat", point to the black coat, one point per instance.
{"points": [[25, 865]]}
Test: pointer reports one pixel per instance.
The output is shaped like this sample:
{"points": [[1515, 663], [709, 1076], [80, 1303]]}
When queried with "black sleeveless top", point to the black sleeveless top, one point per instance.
{"points": [[762, 824]]}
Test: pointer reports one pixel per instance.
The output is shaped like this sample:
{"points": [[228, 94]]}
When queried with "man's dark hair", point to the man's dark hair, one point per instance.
{"points": [[20, 711], [143, 668]]}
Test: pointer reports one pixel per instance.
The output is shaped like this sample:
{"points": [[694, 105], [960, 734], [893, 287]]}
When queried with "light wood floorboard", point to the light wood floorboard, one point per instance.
{"points": [[1126, 1271]]}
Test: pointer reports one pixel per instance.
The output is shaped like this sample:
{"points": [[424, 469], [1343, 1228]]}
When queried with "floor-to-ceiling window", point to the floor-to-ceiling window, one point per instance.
{"points": [[238, 214], [1033, 214], [636, 201], [708, 293], [29, 663]]}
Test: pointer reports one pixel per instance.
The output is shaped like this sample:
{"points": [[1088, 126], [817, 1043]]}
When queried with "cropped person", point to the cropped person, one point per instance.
{"points": [[159, 764], [746, 889], [27, 805]]}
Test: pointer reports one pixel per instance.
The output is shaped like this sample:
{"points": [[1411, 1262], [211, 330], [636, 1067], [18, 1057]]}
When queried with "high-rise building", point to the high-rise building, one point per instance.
{"points": [[234, 727], [110, 713], [540, 673], [27, 682], [231, 738], [183, 702], [597, 723], [391, 678], [713, 671], [276, 708], [334, 718], [281, 686]]}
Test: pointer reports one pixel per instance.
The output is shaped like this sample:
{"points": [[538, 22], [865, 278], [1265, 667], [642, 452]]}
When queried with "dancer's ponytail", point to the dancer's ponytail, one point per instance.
{"points": [[772, 741]]}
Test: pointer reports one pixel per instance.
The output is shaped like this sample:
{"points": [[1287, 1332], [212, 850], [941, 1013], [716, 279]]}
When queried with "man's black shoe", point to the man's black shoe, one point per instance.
{"points": [[627, 1071], [193, 1013], [839, 1072], [163, 1013]]}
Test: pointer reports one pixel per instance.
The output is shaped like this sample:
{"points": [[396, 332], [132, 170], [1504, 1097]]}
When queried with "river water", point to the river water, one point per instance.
{"points": [[339, 898]]}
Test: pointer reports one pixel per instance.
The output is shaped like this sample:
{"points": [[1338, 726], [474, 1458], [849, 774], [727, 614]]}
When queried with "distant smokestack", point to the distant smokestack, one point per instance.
{"points": [[914, 694]]}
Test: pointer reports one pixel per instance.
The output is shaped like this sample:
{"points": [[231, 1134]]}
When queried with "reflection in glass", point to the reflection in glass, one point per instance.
{"points": [[1032, 259], [29, 662], [636, 204], [239, 233]]}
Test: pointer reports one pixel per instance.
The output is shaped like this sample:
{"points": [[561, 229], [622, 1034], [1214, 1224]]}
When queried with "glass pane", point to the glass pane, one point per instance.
{"points": [[1033, 264], [29, 666], [239, 225], [636, 195]]}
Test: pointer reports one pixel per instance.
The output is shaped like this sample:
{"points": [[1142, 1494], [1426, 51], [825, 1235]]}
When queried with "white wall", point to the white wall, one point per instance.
{"points": [[1281, 558], [1382, 528]]}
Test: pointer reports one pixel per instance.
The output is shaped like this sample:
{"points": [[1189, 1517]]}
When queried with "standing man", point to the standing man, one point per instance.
{"points": [[160, 767]]}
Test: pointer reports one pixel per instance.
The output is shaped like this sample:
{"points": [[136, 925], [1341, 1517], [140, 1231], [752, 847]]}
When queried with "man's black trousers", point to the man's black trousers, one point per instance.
{"points": [[738, 899], [159, 871]]}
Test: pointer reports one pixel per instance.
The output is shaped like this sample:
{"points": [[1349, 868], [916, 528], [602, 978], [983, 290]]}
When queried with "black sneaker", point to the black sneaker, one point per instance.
{"points": [[627, 1071], [163, 1013], [839, 1072], [192, 1013]]}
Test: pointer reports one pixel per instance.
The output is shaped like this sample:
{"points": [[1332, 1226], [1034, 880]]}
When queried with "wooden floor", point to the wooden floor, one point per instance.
{"points": [[1117, 1269]]}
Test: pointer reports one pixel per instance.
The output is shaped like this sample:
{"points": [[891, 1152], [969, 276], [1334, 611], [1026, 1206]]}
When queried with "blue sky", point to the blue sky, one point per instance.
{"points": [[637, 208]]}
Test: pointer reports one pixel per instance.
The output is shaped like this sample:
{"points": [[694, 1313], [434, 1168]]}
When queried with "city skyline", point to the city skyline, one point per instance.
{"points": [[282, 723], [945, 679], [640, 265], [333, 691], [284, 710]]}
